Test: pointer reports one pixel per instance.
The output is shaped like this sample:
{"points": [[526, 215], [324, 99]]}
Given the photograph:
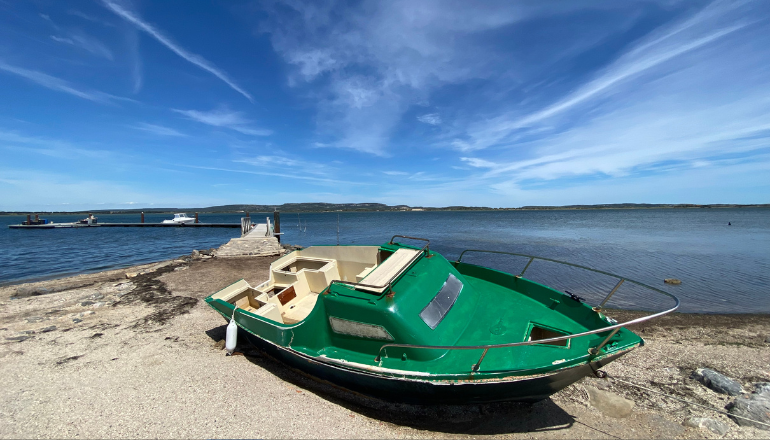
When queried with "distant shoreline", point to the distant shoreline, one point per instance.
{"points": [[376, 207]]}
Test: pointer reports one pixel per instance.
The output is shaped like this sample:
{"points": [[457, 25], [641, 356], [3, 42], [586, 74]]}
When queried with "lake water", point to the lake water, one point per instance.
{"points": [[724, 269]]}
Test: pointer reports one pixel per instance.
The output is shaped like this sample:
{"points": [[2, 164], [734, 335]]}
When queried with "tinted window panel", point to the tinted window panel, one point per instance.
{"points": [[439, 306]]}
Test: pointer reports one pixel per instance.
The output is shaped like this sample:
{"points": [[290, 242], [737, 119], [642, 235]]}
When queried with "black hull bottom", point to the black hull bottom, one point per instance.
{"points": [[423, 392]]}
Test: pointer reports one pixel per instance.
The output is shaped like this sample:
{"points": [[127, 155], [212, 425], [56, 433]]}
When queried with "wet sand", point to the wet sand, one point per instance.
{"points": [[102, 355]]}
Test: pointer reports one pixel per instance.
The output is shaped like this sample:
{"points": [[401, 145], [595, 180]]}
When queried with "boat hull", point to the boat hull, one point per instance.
{"points": [[414, 391]]}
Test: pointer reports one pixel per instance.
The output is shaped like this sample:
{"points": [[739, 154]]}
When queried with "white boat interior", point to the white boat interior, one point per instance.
{"points": [[296, 279]]}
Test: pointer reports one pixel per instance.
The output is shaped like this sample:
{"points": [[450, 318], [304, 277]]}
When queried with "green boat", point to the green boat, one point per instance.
{"points": [[402, 323]]}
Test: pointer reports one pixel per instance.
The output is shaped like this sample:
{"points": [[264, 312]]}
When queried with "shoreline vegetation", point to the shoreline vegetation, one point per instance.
{"points": [[132, 340], [379, 207]]}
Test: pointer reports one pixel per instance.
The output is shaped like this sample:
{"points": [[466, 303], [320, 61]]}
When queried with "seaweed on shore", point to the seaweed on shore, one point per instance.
{"points": [[149, 290]]}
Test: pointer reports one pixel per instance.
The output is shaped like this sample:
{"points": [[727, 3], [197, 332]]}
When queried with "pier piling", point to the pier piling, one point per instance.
{"points": [[277, 223], [196, 217], [142, 217], [37, 218], [29, 219]]}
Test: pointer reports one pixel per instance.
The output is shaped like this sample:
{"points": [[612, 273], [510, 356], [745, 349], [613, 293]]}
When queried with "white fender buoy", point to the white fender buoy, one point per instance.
{"points": [[231, 340]]}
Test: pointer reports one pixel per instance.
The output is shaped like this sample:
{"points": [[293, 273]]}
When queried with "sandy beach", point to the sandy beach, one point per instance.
{"points": [[107, 356]]}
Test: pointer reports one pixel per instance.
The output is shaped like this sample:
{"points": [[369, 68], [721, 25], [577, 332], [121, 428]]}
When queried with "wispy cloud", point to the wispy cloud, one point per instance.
{"points": [[158, 129], [225, 119], [197, 60], [377, 60], [663, 107], [135, 59], [288, 163], [299, 176], [60, 85], [90, 18], [47, 147], [86, 43], [430, 118], [662, 46]]}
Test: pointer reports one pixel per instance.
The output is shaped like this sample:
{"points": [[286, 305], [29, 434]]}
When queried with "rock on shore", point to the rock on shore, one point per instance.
{"points": [[717, 382]]}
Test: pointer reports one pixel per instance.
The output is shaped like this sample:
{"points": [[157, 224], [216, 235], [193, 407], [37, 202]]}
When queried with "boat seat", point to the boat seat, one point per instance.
{"points": [[271, 312], [388, 270], [364, 273], [298, 309]]}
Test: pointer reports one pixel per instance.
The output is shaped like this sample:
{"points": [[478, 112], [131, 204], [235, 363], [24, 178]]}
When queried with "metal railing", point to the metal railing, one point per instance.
{"points": [[389, 285], [593, 351], [246, 225]]}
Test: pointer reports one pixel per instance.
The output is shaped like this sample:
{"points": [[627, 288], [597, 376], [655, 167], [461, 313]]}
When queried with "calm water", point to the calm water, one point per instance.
{"points": [[723, 268]]}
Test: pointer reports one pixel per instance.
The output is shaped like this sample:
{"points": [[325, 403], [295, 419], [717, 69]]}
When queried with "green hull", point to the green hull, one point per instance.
{"points": [[341, 338]]}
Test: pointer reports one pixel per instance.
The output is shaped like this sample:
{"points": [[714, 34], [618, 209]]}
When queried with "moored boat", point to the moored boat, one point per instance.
{"points": [[402, 323], [181, 219]]}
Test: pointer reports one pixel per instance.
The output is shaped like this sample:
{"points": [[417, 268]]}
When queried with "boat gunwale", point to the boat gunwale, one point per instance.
{"points": [[613, 327], [470, 377]]}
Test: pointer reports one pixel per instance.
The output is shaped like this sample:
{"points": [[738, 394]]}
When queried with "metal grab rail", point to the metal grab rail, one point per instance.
{"points": [[389, 285], [426, 247], [614, 328]]}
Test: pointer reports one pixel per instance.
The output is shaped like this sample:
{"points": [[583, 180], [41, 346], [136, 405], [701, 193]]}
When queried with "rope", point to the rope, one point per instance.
{"points": [[604, 374]]}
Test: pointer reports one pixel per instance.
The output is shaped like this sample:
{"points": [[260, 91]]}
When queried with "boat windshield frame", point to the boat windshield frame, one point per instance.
{"points": [[613, 329]]}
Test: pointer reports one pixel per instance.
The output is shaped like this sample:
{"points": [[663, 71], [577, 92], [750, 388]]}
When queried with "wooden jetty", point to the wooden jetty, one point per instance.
{"points": [[246, 226], [128, 225]]}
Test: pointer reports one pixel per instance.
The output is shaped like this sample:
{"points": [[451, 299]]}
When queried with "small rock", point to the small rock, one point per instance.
{"points": [[34, 319], [220, 344], [196, 254], [27, 332], [131, 274], [610, 404], [96, 296], [712, 425], [96, 335], [48, 329], [20, 338], [98, 304], [717, 382], [87, 303], [755, 407], [767, 340], [672, 281], [82, 314], [181, 268], [76, 320]]}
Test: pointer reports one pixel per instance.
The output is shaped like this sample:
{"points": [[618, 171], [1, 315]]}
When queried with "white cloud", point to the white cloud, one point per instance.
{"points": [[158, 129], [663, 45], [86, 43], [60, 85], [430, 118], [197, 60], [664, 107], [226, 119], [380, 58]]}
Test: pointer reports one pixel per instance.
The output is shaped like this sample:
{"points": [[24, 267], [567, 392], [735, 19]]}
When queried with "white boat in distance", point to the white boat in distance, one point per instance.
{"points": [[180, 218]]}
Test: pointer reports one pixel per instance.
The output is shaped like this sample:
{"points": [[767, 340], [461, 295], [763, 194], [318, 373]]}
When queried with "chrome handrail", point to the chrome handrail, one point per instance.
{"points": [[593, 351], [426, 247], [389, 285]]}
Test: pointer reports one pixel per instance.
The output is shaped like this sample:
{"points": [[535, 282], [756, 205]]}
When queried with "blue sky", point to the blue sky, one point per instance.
{"points": [[118, 104]]}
